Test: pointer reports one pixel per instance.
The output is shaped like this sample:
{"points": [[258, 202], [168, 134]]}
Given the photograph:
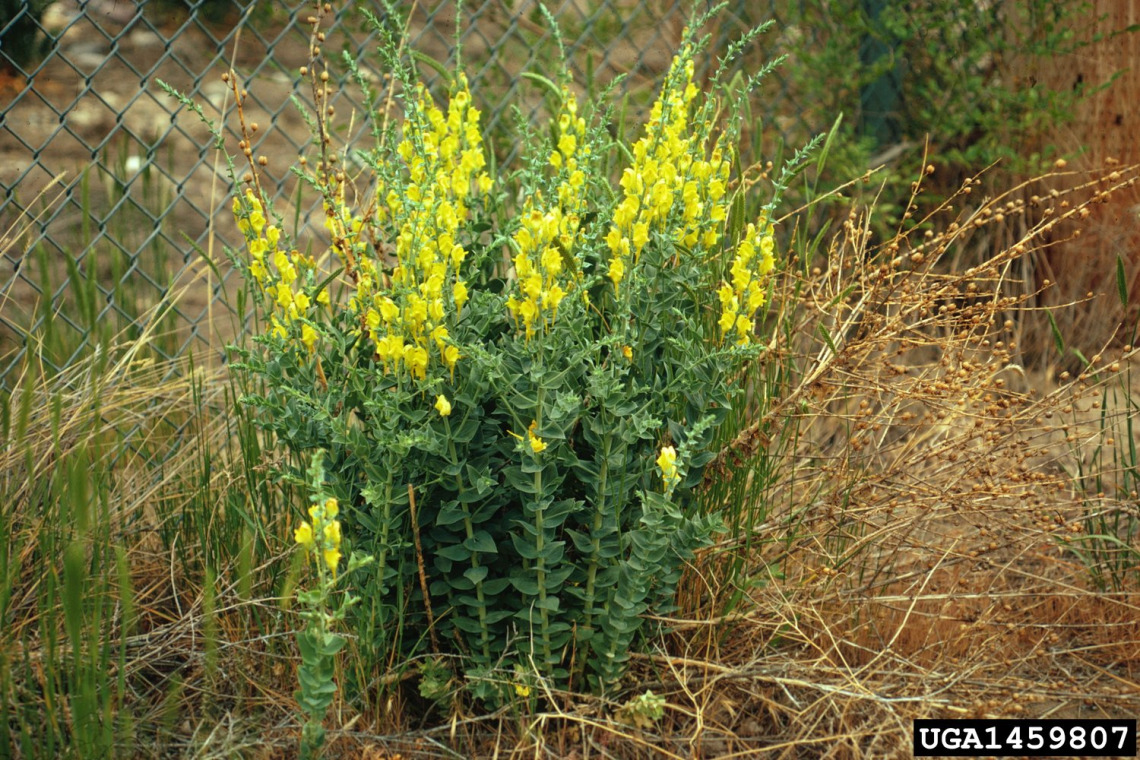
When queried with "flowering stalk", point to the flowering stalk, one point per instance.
{"points": [[320, 539]]}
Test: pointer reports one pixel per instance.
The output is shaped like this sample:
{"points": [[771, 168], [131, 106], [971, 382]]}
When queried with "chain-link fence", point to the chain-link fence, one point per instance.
{"points": [[114, 197]]}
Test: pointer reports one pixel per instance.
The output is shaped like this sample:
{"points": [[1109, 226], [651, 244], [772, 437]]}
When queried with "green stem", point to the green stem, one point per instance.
{"points": [[596, 541], [540, 542], [469, 530], [382, 561], [540, 570]]}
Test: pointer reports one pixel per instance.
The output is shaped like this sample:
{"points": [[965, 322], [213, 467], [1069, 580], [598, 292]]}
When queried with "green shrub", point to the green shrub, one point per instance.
{"points": [[517, 400], [948, 81]]}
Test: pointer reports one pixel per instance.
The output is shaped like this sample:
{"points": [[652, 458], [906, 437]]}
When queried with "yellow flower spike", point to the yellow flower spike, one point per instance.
{"points": [[303, 535], [667, 462], [443, 406]]}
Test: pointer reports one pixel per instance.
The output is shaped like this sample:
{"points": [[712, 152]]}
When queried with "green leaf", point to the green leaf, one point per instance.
{"points": [[525, 581], [454, 552], [526, 549], [822, 160], [555, 90], [481, 541], [550, 604], [1057, 339], [450, 514], [476, 574], [333, 644], [432, 63]]}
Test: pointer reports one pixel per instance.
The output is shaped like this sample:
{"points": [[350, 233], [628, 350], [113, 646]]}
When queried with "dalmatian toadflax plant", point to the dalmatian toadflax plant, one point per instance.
{"points": [[516, 377]]}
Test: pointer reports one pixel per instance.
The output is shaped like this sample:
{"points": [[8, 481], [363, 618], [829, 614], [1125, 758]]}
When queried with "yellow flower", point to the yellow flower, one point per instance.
{"points": [[627, 352], [308, 336], [460, 294], [304, 536], [668, 464], [443, 406], [332, 559], [331, 508], [522, 690], [450, 357], [617, 271], [727, 321], [536, 444]]}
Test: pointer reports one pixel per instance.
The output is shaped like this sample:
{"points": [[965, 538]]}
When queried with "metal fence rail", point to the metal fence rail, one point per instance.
{"points": [[100, 167]]}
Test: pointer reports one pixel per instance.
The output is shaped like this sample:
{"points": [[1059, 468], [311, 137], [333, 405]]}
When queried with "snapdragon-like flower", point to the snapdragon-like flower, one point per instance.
{"points": [[667, 462], [443, 406], [747, 291], [537, 445], [321, 537]]}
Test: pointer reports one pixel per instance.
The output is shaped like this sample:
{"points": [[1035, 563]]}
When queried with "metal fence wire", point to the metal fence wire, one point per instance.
{"points": [[113, 194]]}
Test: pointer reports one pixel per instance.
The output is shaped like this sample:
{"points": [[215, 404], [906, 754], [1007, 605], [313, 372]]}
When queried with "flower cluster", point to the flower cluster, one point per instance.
{"points": [[321, 538], [670, 170], [545, 241], [740, 299], [443, 158], [288, 299]]}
